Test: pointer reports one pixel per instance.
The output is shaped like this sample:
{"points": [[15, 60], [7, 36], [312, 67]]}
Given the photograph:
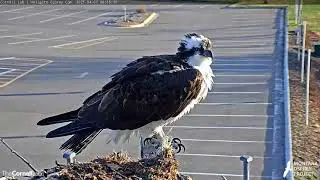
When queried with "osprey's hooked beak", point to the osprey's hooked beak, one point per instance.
{"points": [[207, 53]]}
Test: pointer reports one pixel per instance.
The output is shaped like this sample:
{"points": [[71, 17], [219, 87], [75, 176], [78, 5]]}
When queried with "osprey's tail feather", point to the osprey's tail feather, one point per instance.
{"points": [[65, 117], [83, 134], [69, 129], [80, 141]]}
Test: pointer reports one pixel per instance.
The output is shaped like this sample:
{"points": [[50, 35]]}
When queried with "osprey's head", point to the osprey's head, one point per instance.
{"points": [[195, 47]]}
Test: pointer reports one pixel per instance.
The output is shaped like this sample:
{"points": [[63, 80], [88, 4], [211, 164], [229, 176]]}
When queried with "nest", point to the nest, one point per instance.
{"points": [[119, 166]]}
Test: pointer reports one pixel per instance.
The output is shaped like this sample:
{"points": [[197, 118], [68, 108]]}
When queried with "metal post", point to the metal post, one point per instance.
{"points": [[125, 13], [299, 45], [303, 50], [308, 87], [246, 166], [69, 156], [298, 37]]}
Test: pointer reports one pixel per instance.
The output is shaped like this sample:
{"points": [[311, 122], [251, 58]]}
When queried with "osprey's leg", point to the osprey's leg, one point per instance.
{"points": [[152, 146], [169, 142], [158, 135], [160, 141]]}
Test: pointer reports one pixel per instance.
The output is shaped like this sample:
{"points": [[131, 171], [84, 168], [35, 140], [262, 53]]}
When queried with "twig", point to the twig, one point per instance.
{"points": [[17, 154], [116, 172], [79, 175]]}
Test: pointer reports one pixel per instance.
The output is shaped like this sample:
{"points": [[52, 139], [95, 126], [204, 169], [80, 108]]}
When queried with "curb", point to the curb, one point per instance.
{"points": [[153, 16], [239, 6], [289, 170]]}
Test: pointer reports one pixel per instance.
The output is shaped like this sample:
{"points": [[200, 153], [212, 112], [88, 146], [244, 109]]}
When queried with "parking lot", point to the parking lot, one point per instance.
{"points": [[53, 57]]}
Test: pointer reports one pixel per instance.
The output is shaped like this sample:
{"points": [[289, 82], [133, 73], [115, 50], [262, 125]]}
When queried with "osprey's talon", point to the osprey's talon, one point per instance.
{"points": [[148, 140], [181, 146], [177, 145], [176, 140]]}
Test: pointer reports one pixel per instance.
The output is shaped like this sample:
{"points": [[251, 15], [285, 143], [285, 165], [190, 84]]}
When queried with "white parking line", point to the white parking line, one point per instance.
{"points": [[216, 92], [6, 58], [20, 35], [245, 83], [178, 6], [82, 75], [9, 75], [34, 14], [62, 16], [26, 38], [243, 75], [244, 60], [29, 59], [226, 115], [4, 78], [90, 18], [25, 73], [251, 70], [244, 103], [95, 43], [203, 6], [13, 10], [81, 42], [19, 64], [37, 40], [267, 65], [218, 127], [221, 155], [225, 141], [240, 45], [153, 5], [244, 52], [234, 41], [9, 70]]}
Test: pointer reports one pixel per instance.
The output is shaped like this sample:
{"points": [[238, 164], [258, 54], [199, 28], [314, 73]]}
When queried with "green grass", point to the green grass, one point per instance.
{"points": [[310, 13]]}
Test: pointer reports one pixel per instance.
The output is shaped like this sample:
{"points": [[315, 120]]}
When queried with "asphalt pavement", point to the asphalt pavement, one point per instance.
{"points": [[53, 57]]}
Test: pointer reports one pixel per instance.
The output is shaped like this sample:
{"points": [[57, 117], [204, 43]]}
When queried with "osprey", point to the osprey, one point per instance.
{"points": [[147, 94]]}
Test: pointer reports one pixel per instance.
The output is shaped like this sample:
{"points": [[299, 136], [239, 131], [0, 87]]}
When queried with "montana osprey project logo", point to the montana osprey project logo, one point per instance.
{"points": [[287, 170]]}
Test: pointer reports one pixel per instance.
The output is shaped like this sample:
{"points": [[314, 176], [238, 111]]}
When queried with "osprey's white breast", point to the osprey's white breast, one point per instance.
{"points": [[198, 62], [203, 65]]}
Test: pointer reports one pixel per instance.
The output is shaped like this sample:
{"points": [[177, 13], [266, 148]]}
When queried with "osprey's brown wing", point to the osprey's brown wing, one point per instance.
{"points": [[148, 89], [138, 101]]}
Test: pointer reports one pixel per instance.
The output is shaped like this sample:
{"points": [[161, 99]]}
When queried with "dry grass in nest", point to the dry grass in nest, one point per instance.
{"points": [[121, 166]]}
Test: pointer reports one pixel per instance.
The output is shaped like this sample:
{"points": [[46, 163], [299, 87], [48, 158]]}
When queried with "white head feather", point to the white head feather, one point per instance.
{"points": [[191, 46], [193, 42]]}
